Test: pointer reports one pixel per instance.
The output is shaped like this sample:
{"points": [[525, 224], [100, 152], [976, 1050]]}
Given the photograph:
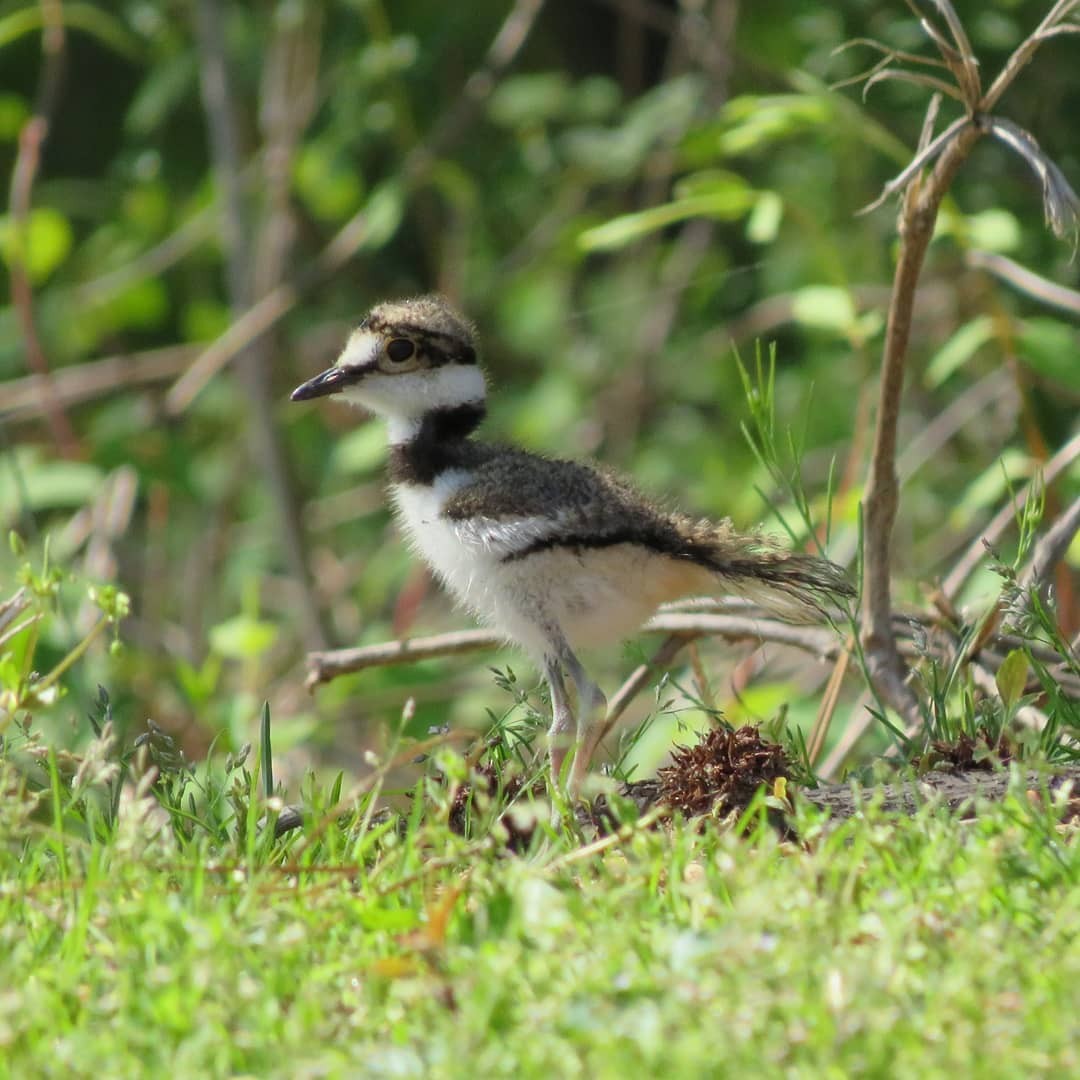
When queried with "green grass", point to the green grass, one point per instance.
{"points": [[885, 947]]}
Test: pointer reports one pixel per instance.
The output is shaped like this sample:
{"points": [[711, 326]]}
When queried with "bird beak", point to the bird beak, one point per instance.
{"points": [[331, 381]]}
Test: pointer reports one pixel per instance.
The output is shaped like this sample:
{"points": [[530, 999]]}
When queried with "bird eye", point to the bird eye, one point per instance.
{"points": [[400, 349]]}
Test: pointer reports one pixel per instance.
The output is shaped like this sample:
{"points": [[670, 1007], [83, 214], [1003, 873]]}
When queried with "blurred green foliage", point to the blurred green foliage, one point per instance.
{"points": [[643, 188]]}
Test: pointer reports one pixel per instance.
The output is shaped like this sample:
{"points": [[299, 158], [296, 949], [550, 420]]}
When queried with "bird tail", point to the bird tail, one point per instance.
{"points": [[793, 586]]}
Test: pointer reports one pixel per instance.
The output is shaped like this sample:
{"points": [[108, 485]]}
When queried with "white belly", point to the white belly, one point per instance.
{"points": [[593, 595]]}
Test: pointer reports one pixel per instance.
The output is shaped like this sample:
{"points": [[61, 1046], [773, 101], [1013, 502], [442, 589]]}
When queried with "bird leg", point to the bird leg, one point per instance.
{"points": [[591, 711], [562, 717], [584, 732]]}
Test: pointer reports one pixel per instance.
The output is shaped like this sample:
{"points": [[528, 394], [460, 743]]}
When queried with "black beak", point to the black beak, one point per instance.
{"points": [[331, 381]]}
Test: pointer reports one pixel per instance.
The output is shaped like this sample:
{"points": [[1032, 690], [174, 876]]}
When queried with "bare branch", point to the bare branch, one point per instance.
{"points": [[919, 162], [325, 666], [1001, 521], [881, 498], [1026, 281], [891, 55], [639, 678], [22, 398], [916, 78], [1051, 549], [1023, 53], [220, 109], [27, 160]]}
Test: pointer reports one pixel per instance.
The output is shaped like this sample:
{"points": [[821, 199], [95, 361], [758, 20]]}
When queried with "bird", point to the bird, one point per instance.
{"points": [[555, 555]]}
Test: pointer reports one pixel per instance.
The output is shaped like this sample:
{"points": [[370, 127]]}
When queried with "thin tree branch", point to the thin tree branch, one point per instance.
{"points": [[1023, 53], [1027, 282], [31, 141], [881, 499], [22, 399], [220, 112], [1001, 521], [639, 678], [1050, 549]]}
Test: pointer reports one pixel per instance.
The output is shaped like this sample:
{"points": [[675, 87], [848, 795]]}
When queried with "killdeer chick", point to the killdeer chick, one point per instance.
{"points": [[555, 555]]}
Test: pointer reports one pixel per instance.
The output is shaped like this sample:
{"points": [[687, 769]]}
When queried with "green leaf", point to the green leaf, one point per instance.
{"points": [[13, 114], [382, 215], [36, 485], [529, 100], [958, 350], [1011, 678], [724, 205], [1049, 347], [326, 185], [40, 246], [994, 230], [242, 637], [89, 18], [824, 307], [752, 122], [765, 218], [360, 451]]}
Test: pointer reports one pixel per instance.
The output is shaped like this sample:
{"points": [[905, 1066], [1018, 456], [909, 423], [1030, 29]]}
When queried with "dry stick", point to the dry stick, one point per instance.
{"points": [[269, 309], [816, 743], [1004, 518], [31, 140], [1051, 549], [21, 399], [860, 719], [640, 677], [1026, 281], [266, 447], [325, 666], [967, 406], [916, 227]]}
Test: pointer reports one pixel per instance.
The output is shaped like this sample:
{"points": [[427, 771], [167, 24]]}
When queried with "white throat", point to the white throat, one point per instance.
{"points": [[404, 400]]}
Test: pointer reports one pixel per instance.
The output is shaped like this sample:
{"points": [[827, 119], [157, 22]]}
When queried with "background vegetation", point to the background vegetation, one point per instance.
{"points": [[625, 196], [616, 194]]}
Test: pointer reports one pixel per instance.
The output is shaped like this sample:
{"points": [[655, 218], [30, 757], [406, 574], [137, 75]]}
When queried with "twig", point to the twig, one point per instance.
{"points": [[1026, 50], [1025, 281], [31, 141], [860, 718], [325, 666], [21, 399], [881, 499], [989, 536], [639, 678], [1051, 549], [829, 700], [966, 407], [220, 111]]}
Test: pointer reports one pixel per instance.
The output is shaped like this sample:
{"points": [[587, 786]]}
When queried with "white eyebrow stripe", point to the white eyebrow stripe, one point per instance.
{"points": [[360, 350]]}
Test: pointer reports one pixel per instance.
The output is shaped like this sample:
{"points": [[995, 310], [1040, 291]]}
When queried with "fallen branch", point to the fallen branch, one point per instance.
{"points": [[325, 666], [957, 791]]}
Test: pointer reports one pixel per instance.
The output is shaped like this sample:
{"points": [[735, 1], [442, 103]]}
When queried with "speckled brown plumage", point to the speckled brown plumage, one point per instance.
{"points": [[558, 555]]}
